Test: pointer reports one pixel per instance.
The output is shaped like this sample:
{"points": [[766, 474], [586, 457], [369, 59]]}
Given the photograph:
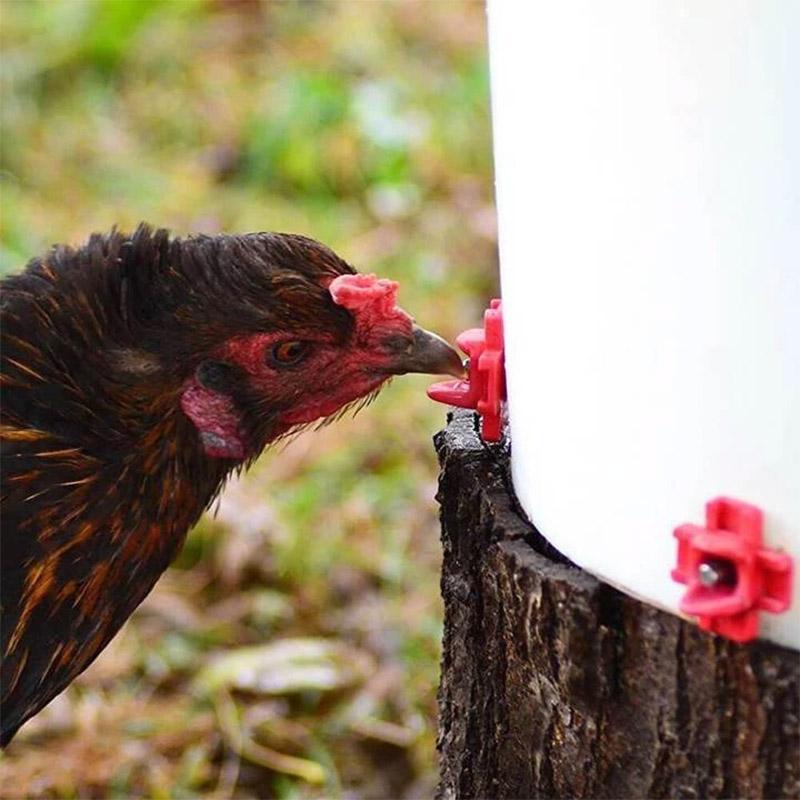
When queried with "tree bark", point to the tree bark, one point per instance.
{"points": [[555, 684]]}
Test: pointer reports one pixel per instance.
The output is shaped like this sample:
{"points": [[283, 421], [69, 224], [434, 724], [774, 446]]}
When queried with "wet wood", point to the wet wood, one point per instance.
{"points": [[556, 685]]}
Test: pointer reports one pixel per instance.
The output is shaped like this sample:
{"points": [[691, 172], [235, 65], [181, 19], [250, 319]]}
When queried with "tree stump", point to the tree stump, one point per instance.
{"points": [[555, 684]]}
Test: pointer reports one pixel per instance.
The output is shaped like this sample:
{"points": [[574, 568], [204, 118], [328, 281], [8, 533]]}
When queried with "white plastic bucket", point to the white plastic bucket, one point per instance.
{"points": [[648, 189]]}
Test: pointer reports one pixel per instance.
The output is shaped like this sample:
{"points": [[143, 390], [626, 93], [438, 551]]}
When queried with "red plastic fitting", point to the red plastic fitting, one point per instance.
{"points": [[485, 386], [730, 576]]}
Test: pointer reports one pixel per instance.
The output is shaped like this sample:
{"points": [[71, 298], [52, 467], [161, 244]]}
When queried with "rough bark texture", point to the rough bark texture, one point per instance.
{"points": [[554, 684]]}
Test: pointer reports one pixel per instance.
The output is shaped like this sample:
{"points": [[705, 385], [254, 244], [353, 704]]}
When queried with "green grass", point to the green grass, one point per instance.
{"points": [[365, 125]]}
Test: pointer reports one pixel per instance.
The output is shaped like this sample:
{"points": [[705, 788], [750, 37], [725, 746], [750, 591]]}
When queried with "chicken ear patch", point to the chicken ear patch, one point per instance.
{"points": [[217, 420]]}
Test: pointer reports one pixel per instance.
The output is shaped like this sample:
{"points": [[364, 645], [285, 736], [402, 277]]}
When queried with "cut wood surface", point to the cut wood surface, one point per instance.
{"points": [[555, 684]]}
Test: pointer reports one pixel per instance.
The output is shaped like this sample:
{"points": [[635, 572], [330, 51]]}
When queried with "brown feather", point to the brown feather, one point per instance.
{"points": [[102, 474]]}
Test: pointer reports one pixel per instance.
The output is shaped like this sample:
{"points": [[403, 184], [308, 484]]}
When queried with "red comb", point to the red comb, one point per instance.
{"points": [[356, 292]]}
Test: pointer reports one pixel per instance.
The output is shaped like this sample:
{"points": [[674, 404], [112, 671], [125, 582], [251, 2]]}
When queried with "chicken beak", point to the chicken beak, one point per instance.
{"points": [[429, 354]]}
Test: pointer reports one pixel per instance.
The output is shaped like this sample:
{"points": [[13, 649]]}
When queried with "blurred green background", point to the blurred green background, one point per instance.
{"points": [[293, 650]]}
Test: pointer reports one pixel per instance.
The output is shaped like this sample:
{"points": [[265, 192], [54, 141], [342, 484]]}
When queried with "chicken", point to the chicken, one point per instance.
{"points": [[138, 372]]}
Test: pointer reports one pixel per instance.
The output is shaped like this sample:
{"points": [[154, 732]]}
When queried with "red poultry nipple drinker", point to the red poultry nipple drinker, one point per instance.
{"points": [[484, 388]]}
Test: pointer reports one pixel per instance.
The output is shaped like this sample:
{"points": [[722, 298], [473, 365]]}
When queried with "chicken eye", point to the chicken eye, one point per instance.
{"points": [[286, 354]]}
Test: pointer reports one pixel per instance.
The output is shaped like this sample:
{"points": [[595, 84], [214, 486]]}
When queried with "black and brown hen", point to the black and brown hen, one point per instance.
{"points": [[137, 372]]}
